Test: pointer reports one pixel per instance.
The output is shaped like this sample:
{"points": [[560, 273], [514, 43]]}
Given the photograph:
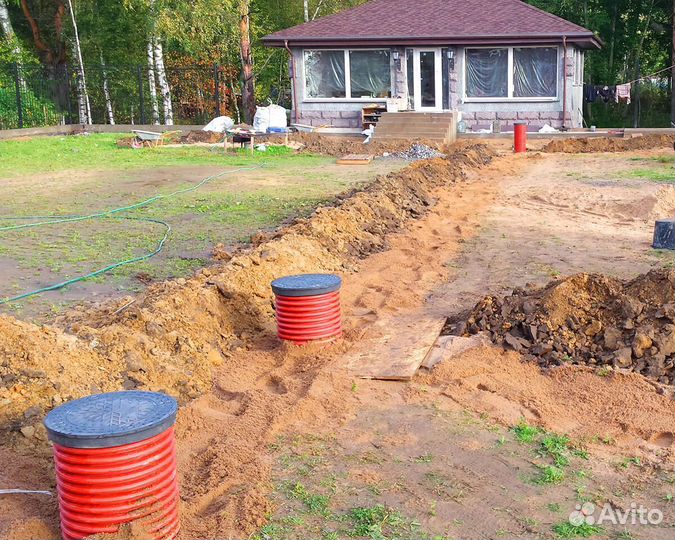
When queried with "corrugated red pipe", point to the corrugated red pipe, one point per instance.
{"points": [[302, 319], [99, 489]]}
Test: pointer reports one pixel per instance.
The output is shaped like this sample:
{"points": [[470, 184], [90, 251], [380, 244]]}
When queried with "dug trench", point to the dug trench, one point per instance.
{"points": [[416, 244]]}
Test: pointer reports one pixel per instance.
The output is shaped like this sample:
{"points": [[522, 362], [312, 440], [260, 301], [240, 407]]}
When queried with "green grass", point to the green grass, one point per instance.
{"points": [[549, 475], [525, 433], [655, 175], [565, 530], [88, 174], [100, 151]]}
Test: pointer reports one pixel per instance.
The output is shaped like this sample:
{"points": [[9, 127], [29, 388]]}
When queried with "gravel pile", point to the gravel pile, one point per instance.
{"points": [[418, 152], [587, 319]]}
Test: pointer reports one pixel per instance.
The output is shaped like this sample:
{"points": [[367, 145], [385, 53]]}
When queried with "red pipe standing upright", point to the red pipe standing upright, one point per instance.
{"points": [[308, 308], [115, 459], [520, 137]]}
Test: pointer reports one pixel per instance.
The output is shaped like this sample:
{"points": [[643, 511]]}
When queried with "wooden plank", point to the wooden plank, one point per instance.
{"points": [[396, 356], [355, 159], [447, 347]]}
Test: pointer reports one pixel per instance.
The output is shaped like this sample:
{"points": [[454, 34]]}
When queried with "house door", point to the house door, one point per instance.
{"points": [[428, 79]]}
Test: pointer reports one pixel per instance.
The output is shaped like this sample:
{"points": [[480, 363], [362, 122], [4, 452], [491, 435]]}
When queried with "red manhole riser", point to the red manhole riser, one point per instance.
{"points": [[99, 489], [302, 319]]}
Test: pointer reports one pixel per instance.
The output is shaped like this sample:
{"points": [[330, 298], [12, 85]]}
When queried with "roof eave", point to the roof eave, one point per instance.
{"points": [[586, 40]]}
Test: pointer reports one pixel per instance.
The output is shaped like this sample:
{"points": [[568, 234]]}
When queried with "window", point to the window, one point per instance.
{"points": [[325, 74], [513, 72], [345, 74], [487, 72]]}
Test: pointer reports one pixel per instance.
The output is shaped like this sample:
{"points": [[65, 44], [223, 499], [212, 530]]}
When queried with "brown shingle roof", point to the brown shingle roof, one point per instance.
{"points": [[439, 22]]}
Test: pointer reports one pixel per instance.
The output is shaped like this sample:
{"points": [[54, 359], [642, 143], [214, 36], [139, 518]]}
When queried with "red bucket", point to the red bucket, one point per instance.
{"points": [[115, 460], [308, 308]]}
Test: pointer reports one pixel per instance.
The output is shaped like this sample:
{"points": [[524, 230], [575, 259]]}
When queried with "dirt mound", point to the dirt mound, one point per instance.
{"points": [[170, 338], [588, 319], [604, 144], [340, 146], [201, 136]]}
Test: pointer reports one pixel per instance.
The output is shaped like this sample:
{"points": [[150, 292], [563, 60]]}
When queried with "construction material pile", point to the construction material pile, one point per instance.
{"points": [[417, 152], [588, 319], [607, 144]]}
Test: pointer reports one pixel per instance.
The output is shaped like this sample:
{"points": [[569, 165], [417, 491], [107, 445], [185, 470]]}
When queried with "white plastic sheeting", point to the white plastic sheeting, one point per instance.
{"points": [[325, 74], [370, 73], [219, 125], [535, 72], [487, 73]]}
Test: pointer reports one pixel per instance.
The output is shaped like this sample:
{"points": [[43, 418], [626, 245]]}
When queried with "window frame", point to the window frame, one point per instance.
{"points": [[348, 78], [510, 98]]}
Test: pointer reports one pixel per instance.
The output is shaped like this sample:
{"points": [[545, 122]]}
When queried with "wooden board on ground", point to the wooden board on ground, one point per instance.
{"points": [[355, 159], [397, 357], [447, 347]]}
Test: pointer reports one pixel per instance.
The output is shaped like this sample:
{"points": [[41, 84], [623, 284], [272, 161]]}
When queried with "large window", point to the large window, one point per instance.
{"points": [[514, 72], [345, 74]]}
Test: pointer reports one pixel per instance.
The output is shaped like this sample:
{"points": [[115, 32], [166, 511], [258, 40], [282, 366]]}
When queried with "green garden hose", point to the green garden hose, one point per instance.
{"points": [[108, 214]]}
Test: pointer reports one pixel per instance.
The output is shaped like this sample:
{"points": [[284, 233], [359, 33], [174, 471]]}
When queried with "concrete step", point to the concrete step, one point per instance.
{"points": [[416, 125]]}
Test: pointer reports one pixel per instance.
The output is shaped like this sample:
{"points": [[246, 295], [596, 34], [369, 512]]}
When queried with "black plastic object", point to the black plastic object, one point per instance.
{"points": [[664, 234], [114, 419], [306, 285]]}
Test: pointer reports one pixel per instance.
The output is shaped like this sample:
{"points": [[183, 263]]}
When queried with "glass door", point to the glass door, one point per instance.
{"points": [[427, 80]]}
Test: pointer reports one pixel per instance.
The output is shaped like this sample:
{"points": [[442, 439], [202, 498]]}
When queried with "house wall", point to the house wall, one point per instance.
{"points": [[535, 113], [347, 113]]}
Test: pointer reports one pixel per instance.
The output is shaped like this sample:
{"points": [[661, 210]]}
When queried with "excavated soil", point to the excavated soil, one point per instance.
{"points": [[602, 144], [171, 337], [340, 146], [587, 319]]}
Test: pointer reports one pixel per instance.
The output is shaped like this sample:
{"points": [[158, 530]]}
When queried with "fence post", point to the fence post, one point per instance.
{"points": [[17, 84], [141, 109], [216, 82], [636, 100]]}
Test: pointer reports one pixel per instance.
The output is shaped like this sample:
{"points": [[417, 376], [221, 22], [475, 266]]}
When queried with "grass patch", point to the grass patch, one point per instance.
{"points": [[525, 433], [661, 175], [565, 530], [379, 522], [549, 475]]}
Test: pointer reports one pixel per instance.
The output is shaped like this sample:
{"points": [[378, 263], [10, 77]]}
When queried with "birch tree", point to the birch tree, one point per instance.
{"points": [[163, 82], [8, 31], [84, 108], [152, 84], [106, 92]]}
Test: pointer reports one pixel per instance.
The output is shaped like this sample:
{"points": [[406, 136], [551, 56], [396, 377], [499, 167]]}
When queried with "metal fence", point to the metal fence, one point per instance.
{"points": [[34, 96]]}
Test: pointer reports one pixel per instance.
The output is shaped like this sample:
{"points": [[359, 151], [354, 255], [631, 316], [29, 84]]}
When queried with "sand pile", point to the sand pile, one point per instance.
{"points": [[170, 337], [588, 319], [603, 144]]}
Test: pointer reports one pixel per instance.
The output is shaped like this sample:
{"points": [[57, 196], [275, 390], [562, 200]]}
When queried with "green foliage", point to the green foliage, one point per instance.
{"points": [[565, 530], [376, 522], [525, 433]]}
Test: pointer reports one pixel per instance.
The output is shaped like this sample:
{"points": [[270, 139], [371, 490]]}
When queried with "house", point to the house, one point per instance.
{"points": [[491, 60]]}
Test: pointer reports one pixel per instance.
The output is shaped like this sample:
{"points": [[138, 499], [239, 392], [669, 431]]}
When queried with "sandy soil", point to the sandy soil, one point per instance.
{"points": [[514, 222]]}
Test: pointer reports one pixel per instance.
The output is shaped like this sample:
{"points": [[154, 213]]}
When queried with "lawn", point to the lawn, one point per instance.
{"points": [[82, 175]]}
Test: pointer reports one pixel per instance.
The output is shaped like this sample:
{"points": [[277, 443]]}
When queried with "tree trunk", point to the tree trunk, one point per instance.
{"points": [[612, 43], [247, 77], [82, 95], [305, 5], [106, 92], [163, 83], [8, 31], [152, 84]]}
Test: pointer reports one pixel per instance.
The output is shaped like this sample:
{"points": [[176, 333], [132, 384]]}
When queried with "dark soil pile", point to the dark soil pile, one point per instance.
{"points": [[587, 319], [200, 136], [605, 144]]}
